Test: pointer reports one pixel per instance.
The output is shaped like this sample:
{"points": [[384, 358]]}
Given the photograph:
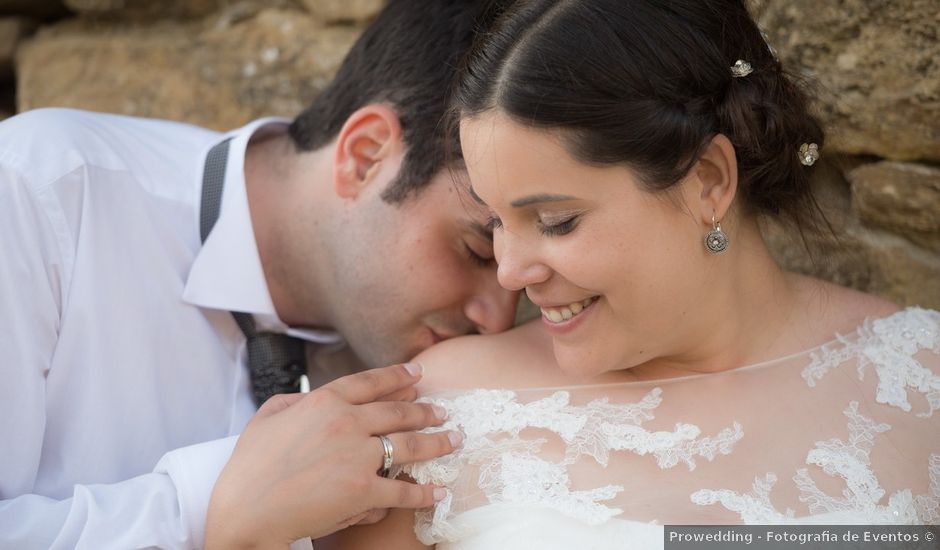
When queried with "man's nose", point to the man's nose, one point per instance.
{"points": [[493, 308]]}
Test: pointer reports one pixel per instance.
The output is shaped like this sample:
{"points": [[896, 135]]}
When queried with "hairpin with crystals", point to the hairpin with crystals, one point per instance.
{"points": [[741, 68], [809, 154]]}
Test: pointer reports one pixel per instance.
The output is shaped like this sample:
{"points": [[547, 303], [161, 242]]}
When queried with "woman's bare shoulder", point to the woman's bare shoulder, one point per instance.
{"points": [[518, 358], [840, 308]]}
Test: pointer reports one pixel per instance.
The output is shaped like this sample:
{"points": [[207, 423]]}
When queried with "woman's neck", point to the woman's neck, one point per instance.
{"points": [[757, 312]]}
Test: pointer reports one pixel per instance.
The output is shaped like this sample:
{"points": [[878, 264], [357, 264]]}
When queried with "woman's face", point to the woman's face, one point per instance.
{"points": [[615, 269]]}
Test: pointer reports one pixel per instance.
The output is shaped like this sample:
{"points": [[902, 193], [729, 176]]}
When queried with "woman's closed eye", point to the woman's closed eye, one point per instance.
{"points": [[562, 227]]}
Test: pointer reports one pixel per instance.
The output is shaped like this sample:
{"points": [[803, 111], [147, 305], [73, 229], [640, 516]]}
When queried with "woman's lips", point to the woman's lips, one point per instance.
{"points": [[564, 319]]}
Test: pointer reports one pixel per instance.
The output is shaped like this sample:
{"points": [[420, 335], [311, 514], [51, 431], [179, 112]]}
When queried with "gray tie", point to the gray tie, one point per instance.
{"points": [[275, 361]]}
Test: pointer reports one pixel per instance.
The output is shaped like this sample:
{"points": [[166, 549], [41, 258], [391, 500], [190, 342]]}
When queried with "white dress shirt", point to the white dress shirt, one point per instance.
{"points": [[118, 354]]}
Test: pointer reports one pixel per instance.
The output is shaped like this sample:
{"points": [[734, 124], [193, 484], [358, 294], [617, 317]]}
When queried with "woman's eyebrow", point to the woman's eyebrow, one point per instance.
{"points": [[525, 201], [533, 199]]}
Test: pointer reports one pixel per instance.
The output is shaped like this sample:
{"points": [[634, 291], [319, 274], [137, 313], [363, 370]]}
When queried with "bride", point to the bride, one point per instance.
{"points": [[677, 375]]}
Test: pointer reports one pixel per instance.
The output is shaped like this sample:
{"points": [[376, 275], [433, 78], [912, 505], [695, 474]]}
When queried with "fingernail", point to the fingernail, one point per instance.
{"points": [[456, 438], [439, 494], [440, 412], [414, 369]]}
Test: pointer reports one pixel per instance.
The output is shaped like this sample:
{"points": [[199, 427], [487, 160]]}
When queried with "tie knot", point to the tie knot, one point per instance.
{"points": [[276, 363]]}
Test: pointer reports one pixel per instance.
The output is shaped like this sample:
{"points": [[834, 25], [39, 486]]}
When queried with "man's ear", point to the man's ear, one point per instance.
{"points": [[713, 181], [369, 136]]}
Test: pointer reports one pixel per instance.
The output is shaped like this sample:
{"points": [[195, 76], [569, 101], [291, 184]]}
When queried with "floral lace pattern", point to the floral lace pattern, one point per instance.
{"points": [[511, 472], [849, 461], [514, 467], [889, 345]]}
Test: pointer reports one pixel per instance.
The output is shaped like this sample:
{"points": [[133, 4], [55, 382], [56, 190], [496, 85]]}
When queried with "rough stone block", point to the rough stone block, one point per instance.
{"points": [[345, 10], [12, 31], [149, 10], [878, 66], [900, 197], [218, 73]]}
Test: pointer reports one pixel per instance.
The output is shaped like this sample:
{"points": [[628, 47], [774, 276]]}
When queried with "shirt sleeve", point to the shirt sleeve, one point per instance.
{"points": [[165, 508], [30, 299]]}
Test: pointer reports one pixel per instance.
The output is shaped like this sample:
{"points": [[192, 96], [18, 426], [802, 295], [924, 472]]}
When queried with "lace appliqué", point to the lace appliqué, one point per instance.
{"points": [[511, 472], [889, 345], [849, 461]]}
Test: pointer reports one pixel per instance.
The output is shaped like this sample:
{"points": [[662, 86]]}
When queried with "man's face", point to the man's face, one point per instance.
{"points": [[405, 276]]}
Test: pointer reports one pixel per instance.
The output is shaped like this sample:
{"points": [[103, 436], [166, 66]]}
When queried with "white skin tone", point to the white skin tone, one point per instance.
{"points": [[306, 463], [393, 279], [664, 306]]}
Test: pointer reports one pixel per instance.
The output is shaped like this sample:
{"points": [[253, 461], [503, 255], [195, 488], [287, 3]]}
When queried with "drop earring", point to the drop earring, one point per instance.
{"points": [[716, 241]]}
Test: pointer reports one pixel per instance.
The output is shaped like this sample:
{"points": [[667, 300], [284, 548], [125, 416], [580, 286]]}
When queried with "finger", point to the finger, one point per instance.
{"points": [[372, 516], [408, 447], [278, 403], [367, 386], [406, 394], [387, 417], [351, 521], [393, 493]]}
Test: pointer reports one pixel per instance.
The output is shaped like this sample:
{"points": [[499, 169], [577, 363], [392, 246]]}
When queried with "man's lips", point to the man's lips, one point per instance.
{"points": [[435, 337], [443, 335]]}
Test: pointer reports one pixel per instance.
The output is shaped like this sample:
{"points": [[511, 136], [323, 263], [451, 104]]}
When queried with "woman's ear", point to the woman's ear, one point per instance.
{"points": [[713, 181], [369, 136]]}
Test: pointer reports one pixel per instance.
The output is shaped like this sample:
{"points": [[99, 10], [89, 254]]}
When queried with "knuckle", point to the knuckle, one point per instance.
{"points": [[409, 495], [430, 417], [406, 394], [369, 379], [322, 397], [444, 445], [271, 404], [399, 411], [413, 444]]}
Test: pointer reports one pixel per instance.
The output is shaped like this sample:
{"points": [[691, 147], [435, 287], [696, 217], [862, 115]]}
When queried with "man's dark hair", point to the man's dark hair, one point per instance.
{"points": [[407, 57]]}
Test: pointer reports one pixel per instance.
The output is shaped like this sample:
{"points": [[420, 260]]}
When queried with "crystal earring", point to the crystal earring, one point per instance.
{"points": [[716, 241]]}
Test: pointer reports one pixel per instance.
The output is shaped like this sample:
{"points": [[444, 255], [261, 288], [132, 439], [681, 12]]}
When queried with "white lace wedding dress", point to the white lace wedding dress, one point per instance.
{"points": [[846, 433]]}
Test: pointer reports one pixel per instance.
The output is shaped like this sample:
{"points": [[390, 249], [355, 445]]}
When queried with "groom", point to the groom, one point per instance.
{"points": [[129, 243]]}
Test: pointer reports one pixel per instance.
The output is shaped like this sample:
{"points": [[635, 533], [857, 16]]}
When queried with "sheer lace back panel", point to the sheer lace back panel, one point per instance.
{"points": [[846, 433]]}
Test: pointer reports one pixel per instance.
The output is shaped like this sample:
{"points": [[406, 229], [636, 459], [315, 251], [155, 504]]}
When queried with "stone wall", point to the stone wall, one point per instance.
{"points": [[220, 63], [876, 65], [215, 63]]}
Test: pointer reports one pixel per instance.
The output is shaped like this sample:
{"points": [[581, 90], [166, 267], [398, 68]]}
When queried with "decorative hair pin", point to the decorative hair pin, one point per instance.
{"points": [[741, 68], [809, 154]]}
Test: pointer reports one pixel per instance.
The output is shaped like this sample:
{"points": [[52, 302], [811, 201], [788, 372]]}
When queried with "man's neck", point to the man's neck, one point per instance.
{"points": [[272, 175]]}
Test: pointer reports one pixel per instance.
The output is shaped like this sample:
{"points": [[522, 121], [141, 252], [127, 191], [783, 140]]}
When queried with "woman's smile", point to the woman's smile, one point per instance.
{"points": [[564, 319]]}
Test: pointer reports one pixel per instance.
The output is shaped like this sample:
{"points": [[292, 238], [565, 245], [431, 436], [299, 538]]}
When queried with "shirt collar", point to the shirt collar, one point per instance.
{"points": [[227, 272]]}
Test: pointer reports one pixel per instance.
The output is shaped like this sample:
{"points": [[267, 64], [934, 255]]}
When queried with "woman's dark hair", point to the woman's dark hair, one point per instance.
{"points": [[648, 84]]}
